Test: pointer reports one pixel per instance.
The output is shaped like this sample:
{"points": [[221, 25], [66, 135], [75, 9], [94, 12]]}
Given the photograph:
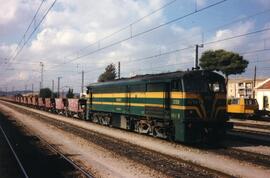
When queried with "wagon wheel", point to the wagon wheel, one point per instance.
{"points": [[82, 115]]}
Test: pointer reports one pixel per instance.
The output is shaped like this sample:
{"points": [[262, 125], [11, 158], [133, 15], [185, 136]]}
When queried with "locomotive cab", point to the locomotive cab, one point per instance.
{"points": [[202, 107]]}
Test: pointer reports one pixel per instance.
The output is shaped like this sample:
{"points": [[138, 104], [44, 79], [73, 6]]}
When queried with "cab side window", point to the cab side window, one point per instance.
{"points": [[235, 101], [176, 85]]}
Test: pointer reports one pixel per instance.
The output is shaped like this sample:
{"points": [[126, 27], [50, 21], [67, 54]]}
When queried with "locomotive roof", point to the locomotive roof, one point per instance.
{"points": [[153, 77]]}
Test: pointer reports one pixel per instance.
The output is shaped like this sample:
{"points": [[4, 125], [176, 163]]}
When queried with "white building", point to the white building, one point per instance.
{"points": [[238, 88], [263, 95]]}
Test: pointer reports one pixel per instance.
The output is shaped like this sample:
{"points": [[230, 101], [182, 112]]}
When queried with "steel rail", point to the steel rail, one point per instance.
{"points": [[84, 172], [14, 153]]}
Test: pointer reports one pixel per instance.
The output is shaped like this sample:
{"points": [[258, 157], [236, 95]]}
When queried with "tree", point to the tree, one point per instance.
{"points": [[227, 62], [70, 93], [45, 93], [109, 74]]}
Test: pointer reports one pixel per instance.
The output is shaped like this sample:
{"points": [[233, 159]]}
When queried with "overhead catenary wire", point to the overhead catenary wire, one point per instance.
{"points": [[209, 30], [192, 46], [166, 5], [229, 23], [35, 29], [126, 27], [158, 55], [232, 22], [144, 32], [31, 22]]}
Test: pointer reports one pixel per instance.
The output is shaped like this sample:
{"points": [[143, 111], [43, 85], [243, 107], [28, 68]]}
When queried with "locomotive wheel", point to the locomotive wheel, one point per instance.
{"points": [[160, 132], [143, 128], [95, 119], [105, 120]]}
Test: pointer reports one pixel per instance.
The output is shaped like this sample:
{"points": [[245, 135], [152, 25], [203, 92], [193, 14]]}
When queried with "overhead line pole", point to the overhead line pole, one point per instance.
{"points": [[254, 81], [82, 81], [42, 70], [196, 62], [119, 70], [52, 88], [58, 87]]}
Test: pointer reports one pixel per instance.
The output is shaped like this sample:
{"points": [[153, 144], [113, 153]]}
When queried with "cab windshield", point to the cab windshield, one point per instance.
{"points": [[204, 85]]}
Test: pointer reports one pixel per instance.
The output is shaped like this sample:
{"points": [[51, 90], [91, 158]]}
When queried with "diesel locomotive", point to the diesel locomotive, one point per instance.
{"points": [[185, 106], [182, 106]]}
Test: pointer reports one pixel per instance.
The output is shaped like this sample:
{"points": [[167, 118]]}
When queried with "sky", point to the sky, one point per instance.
{"points": [[146, 36]]}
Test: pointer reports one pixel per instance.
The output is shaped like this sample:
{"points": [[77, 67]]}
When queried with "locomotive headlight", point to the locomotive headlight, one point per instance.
{"points": [[191, 113]]}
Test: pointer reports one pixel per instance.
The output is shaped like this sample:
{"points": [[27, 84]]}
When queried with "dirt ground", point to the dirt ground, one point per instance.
{"points": [[107, 164]]}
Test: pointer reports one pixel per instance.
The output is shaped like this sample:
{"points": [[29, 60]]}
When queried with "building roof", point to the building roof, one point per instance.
{"points": [[238, 80], [265, 85]]}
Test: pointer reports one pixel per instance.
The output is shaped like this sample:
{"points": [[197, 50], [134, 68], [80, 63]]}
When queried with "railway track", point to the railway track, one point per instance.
{"points": [[84, 172], [266, 119], [251, 131], [248, 137], [171, 166], [251, 157], [14, 153], [27, 167], [251, 125]]}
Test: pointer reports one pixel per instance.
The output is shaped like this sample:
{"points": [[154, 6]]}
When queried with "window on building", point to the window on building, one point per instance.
{"points": [[265, 102]]}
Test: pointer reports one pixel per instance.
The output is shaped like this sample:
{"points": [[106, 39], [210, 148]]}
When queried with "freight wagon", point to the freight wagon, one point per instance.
{"points": [[61, 106], [76, 107]]}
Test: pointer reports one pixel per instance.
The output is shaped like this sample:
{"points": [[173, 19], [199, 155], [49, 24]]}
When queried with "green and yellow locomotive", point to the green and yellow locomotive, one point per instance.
{"points": [[183, 106]]}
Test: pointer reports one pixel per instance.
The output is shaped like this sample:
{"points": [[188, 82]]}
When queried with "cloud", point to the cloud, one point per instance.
{"points": [[15, 16], [264, 3], [234, 44], [8, 10], [73, 25], [201, 3]]}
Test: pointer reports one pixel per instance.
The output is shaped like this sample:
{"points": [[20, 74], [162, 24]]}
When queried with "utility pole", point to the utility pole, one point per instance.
{"points": [[58, 87], [119, 70], [32, 89], [52, 88], [254, 81], [42, 70], [196, 62], [82, 80]]}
